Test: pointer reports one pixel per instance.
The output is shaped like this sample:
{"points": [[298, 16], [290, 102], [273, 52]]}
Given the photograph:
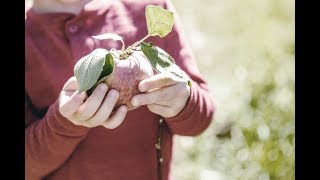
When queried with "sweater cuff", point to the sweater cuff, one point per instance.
{"points": [[62, 125]]}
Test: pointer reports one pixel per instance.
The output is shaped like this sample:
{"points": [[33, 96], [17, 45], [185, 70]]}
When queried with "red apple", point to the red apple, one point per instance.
{"points": [[127, 74]]}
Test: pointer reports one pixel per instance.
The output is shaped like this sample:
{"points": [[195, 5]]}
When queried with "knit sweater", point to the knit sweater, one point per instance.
{"points": [[55, 148]]}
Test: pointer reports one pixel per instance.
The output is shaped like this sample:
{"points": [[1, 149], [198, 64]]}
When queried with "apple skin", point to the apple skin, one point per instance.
{"points": [[126, 76]]}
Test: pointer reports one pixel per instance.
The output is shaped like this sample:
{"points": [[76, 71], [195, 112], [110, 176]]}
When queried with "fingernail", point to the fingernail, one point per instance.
{"points": [[141, 87], [103, 86], [114, 93], [134, 102], [124, 108]]}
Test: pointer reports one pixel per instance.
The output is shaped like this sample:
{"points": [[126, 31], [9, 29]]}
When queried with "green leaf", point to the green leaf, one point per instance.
{"points": [[159, 21], [88, 69], [156, 55], [106, 71], [162, 62], [108, 66]]}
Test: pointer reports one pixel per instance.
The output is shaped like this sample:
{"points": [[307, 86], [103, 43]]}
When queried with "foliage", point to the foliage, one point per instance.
{"points": [[245, 49]]}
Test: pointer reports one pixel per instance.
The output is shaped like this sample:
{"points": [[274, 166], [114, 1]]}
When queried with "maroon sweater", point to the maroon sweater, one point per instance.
{"points": [[57, 149]]}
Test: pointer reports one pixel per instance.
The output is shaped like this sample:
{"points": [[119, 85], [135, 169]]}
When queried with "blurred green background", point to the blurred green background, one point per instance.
{"points": [[246, 50]]}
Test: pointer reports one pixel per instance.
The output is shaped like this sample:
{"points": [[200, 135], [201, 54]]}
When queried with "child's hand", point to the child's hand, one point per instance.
{"points": [[163, 95], [92, 111]]}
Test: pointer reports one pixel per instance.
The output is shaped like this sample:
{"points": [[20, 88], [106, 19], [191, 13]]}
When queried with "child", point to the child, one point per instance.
{"points": [[71, 136]]}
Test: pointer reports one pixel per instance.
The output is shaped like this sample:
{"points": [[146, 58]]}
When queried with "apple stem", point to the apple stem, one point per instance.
{"points": [[137, 43], [127, 52], [123, 46]]}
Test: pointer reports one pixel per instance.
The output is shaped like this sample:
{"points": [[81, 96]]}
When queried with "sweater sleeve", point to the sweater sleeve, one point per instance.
{"points": [[199, 110], [48, 141]]}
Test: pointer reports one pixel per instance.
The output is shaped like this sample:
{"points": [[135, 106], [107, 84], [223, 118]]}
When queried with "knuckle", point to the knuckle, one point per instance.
{"points": [[101, 121], [81, 115], [146, 99], [166, 80], [85, 117], [152, 108], [76, 123], [172, 112], [182, 85], [114, 121], [90, 123], [163, 95], [182, 89], [93, 121]]}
